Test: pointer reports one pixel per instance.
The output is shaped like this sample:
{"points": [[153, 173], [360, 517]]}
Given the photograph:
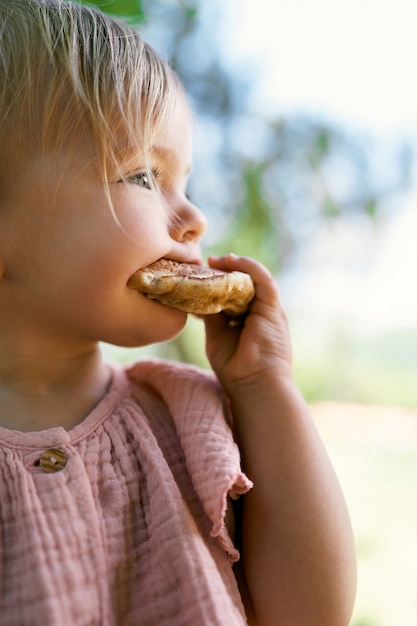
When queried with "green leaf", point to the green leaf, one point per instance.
{"points": [[124, 8]]}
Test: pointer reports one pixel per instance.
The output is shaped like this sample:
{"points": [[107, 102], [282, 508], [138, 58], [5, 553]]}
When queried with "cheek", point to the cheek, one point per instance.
{"points": [[140, 213], [142, 238]]}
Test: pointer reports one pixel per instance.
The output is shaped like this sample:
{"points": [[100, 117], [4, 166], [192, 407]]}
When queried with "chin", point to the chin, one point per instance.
{"points": [[165, 325], [173, 328]]}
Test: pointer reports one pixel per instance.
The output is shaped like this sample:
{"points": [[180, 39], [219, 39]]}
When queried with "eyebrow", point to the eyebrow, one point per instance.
{"points": [[165, 154]]}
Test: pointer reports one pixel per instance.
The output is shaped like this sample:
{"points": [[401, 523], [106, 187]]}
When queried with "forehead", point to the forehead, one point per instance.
{"points": [[172, 145], [175, 138]]}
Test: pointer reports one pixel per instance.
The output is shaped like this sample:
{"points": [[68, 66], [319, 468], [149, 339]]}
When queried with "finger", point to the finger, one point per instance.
{"points": [[220, 322], [265, 285]]}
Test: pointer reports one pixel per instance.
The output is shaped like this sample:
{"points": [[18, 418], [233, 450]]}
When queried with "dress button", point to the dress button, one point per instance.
{"points": [[53, 460]]}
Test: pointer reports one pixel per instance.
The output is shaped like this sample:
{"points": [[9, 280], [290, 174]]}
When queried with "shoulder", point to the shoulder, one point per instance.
{"points": [[173, 379], [182, 388], [143, 370], [187, 391]]}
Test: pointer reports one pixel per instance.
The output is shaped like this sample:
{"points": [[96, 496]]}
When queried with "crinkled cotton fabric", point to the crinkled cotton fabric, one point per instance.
{"points": [[131, 531]]}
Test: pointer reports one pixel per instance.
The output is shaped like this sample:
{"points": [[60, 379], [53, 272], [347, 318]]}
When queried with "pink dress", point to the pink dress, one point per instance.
{"points": [[120, 521]]}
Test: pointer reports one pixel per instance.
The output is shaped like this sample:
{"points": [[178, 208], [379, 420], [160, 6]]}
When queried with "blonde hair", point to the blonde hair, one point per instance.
{"points": [[68, 70]]}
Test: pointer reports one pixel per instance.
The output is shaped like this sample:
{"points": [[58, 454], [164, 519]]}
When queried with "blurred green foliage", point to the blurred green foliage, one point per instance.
{"points": [[378, 473], [254, 217]]}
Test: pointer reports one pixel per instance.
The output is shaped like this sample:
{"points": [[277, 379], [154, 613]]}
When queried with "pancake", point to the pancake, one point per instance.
{"points": [[194, 288]]}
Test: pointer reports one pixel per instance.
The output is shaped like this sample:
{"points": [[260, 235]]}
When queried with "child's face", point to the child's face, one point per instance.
{"points": [[66, 259]]}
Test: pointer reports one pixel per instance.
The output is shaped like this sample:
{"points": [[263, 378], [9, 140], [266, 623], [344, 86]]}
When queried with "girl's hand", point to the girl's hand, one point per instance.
{"points": [[260, 345]]}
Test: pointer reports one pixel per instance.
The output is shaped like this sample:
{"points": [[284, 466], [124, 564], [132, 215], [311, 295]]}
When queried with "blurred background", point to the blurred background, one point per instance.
{"points": [[306, 159]]}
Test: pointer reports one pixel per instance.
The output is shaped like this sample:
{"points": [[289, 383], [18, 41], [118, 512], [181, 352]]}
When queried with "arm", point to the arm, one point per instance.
{"points": [[298, 554]]}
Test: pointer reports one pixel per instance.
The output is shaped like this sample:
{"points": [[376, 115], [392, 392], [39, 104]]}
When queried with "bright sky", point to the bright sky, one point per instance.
{"points": [[355, 61], [352, 58]]}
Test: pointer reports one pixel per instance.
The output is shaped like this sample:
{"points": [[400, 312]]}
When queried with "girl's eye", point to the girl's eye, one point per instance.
{"points": [[144, 178]]}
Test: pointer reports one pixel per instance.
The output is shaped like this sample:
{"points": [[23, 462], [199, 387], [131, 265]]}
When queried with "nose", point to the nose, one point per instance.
{"points": [[188, 223]]}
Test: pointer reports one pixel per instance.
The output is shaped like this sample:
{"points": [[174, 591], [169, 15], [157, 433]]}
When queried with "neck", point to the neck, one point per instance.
{"points": [[51, 386]]}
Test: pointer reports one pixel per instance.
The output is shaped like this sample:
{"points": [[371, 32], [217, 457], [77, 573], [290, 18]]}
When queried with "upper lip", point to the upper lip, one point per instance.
{"points": [[192, 261]]}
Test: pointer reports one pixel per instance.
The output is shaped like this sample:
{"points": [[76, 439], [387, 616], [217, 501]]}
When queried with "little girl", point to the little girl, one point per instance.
{"points": [[117, 484]]}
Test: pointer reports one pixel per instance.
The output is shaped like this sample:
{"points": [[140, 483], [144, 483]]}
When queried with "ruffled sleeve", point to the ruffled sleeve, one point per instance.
{"points": [[197, 406]]}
